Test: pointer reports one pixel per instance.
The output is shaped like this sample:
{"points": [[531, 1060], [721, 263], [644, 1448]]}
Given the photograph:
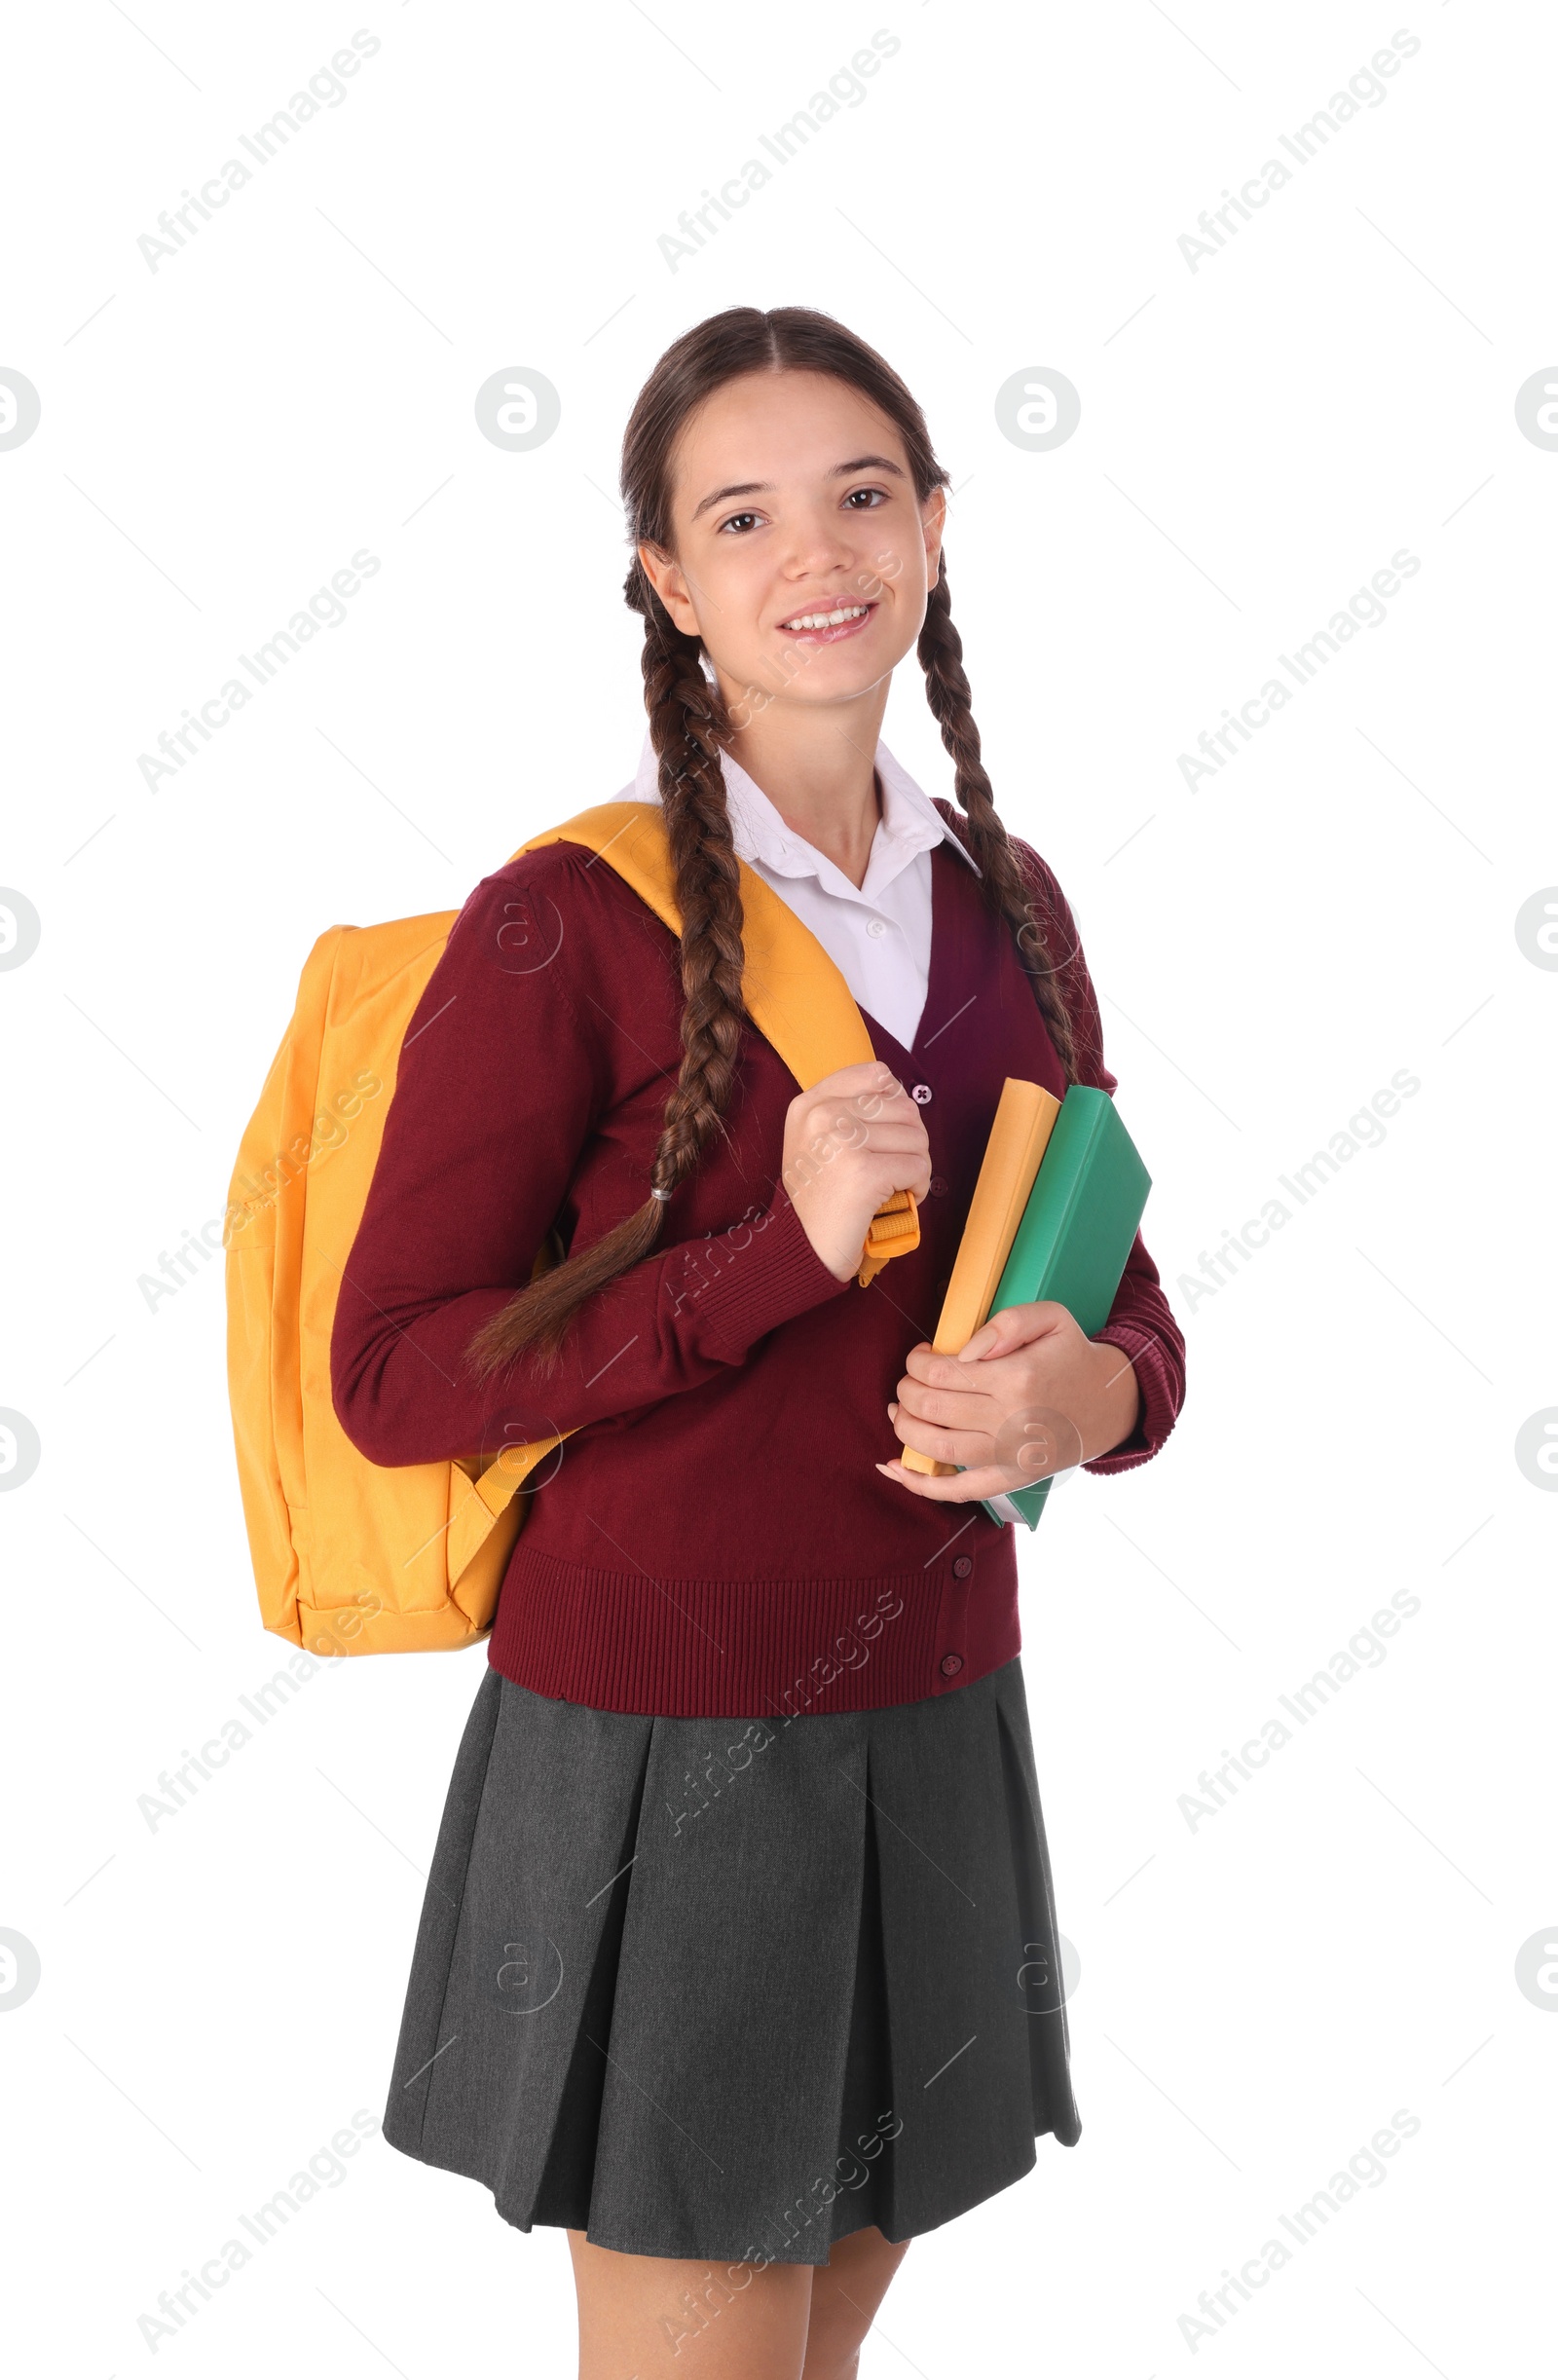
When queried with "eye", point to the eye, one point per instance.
{"points": [[873, 497], [736, 521]]}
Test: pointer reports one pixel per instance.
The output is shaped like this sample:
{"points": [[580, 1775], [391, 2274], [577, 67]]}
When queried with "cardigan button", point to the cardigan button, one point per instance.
{"points": [[921, 1095], [952, 1664], [938, 1185], [962, 1566]]}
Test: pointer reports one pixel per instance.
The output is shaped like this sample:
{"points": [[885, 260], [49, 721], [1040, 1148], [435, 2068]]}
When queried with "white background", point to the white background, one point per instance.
{"points": [[1258, 1994]]}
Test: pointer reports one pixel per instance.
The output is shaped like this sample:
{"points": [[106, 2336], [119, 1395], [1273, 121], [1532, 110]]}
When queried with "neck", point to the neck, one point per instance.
{"points": [[817, 765]]}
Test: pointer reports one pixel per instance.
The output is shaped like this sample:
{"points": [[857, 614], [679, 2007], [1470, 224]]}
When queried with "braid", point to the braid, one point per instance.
{"points": [[687, 727], [946, 690]]}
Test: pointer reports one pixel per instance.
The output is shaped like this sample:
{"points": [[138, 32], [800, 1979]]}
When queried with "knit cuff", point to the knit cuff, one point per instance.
{"points": [[1158, 1411], [744, 1283]]}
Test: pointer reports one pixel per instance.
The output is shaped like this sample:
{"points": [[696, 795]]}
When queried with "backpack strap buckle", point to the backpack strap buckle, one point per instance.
{"points": [[894, 1232]]}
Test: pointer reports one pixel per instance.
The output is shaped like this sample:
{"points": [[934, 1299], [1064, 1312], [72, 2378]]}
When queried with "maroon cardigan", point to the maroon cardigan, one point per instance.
{"points": [[715, 1539]]}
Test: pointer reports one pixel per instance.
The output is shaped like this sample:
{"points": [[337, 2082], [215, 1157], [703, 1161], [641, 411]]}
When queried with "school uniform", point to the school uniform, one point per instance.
{"points": [[740, 1932]]}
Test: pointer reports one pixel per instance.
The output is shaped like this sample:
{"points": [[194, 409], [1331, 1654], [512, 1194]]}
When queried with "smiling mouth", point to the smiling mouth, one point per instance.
{"points": [[825, 626]]}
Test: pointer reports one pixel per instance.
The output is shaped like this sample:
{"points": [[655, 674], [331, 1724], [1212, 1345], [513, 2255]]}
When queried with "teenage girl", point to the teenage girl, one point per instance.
{"points": [[738, 1958]]}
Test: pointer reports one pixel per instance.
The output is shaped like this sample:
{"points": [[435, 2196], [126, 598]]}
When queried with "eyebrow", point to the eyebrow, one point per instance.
{"points": [[765, 487]]}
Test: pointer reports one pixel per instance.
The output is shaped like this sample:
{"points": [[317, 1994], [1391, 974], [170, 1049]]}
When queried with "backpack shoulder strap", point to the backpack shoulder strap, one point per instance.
{"points": [[795, 994], [793, 990]]}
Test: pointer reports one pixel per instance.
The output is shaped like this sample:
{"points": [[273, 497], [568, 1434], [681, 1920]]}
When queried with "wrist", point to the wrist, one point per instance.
{"points": [[1119, 1395]]}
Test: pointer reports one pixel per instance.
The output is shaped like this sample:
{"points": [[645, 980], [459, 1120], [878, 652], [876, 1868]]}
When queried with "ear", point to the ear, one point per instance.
{"points": [[664, 573], [933, 514]]}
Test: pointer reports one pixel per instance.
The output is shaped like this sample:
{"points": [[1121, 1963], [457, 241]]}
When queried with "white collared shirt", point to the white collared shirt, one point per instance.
{"points": [[878, 933]]}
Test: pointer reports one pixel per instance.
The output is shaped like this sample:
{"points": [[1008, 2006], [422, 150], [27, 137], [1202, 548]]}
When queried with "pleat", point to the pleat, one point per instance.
{"points": [[542, 1898], [568, 2178], [863, 2168], [1039, 1973], [427, 1989], [960, 2063]]}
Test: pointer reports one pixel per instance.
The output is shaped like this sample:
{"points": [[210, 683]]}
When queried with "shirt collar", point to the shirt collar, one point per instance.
{"points": [[911, 823]]}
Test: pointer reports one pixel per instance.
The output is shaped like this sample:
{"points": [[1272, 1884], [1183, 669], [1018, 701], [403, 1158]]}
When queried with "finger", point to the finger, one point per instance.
{"points": [[925, 1364], [941, 1445], [864, 1073], [885, 1126], [869, 1078], [899, 1135], [941, 1408], [1012, 1327], [835, 1127], [967, 1488]]}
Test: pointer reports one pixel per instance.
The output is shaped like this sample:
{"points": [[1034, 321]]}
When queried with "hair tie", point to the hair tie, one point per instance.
{"points": [[659, 1193]]}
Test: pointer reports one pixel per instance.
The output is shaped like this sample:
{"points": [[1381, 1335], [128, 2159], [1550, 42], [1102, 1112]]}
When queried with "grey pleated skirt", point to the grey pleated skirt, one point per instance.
{"points": [[734, 1988]]}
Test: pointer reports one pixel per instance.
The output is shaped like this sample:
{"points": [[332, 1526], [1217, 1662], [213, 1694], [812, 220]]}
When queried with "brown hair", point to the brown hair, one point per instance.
{"points": [[688, 725]]}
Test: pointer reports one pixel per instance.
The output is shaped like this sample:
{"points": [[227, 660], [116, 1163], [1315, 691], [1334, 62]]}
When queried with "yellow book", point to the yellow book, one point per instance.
{"points": [[1018, 1138]]}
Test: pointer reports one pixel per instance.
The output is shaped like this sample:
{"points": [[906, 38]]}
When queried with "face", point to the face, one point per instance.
{"points": [[803, 556]]}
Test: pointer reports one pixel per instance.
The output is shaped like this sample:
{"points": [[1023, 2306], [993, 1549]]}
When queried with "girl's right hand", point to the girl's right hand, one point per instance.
{"points": [[850, 1141]]}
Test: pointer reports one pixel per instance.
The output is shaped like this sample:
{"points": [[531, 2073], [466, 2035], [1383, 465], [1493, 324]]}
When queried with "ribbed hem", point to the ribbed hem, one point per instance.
{"points": [[705, 1648], [1156, 1377], [765, 1280]]}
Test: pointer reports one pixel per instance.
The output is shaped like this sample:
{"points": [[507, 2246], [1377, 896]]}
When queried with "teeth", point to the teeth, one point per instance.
{"points": [[828, 620]]}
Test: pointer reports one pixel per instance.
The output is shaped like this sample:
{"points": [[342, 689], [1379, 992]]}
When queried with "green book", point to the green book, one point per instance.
{"points": [[1077, 1230]]}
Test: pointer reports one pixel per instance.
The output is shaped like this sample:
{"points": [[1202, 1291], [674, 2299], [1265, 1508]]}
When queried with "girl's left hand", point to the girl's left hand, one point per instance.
{"points": [[1028, 1395]]}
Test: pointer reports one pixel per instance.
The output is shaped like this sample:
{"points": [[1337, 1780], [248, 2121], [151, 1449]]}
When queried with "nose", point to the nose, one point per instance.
{"points": [[822, 543]]}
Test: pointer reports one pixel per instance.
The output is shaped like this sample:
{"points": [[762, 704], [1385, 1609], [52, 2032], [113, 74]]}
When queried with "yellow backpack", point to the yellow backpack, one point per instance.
{"points": [[351, 1556]]}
